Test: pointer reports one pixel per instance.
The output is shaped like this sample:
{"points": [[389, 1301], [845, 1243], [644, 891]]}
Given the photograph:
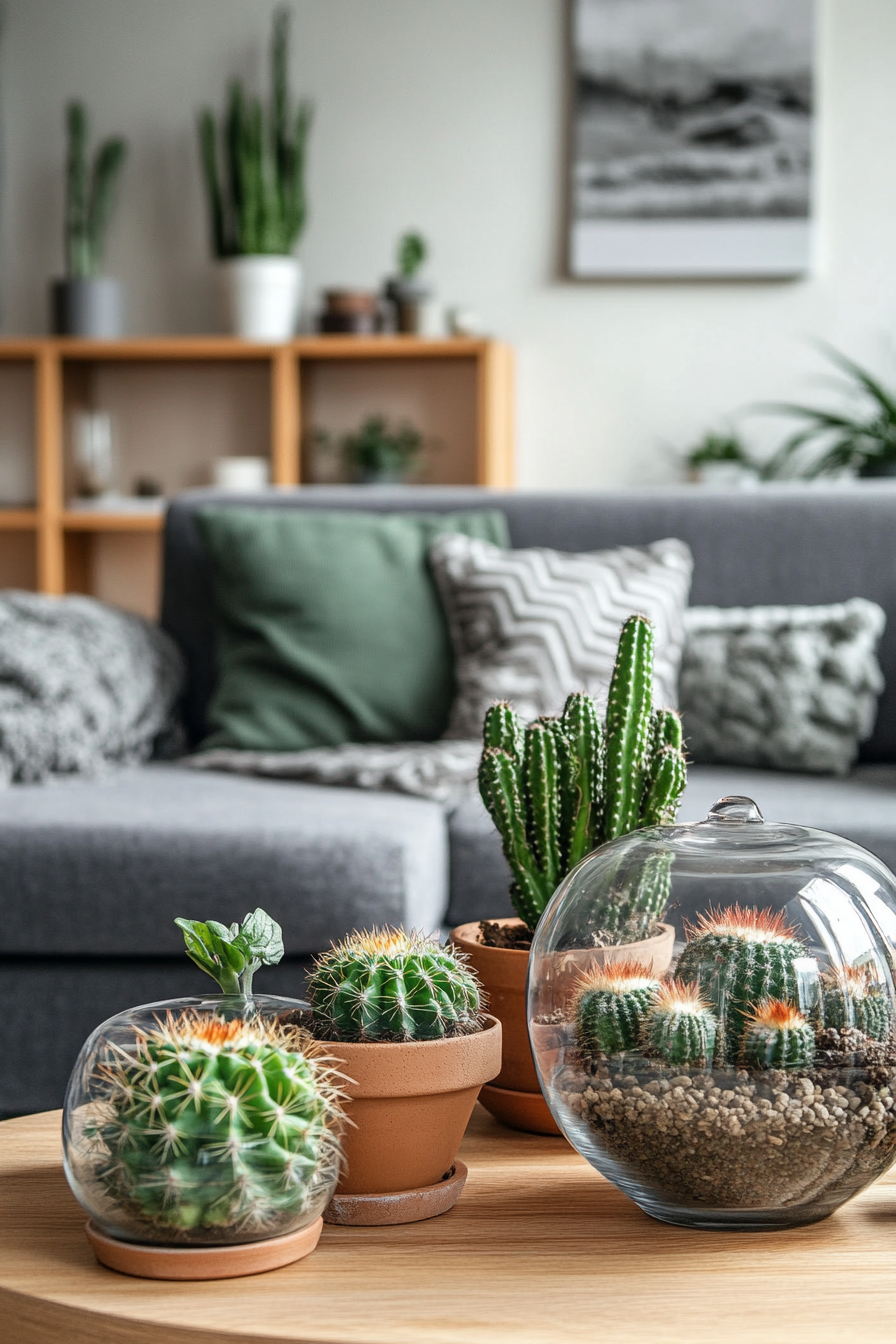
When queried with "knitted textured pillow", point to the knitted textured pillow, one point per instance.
{"points": [[531, 626], [790, 688]]}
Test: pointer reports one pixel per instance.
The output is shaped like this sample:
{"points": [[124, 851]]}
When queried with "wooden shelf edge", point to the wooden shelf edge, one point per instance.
{"points": [[78, 521], [230, 347], [17, 520]]}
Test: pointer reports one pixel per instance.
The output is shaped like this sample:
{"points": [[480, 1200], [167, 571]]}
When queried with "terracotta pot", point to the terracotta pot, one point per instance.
{"points": [[408, 1106], [503, 974]]}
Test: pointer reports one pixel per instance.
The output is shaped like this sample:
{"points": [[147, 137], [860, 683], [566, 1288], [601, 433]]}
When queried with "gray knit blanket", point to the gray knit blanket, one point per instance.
{"points": [[83, 687]]}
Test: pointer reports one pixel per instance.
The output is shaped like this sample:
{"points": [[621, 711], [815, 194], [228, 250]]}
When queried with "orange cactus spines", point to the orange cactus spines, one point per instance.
{"points": [[776, 1013], [777, 1036], [740, 957], [737, 921], [616, 976]]}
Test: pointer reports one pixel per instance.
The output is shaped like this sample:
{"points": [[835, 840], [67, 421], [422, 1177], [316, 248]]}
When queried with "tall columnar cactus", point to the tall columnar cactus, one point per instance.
{"points": [[738, 958], [679, 1027], [90, 194], [564, 786], [387, 985], [217, 1124], [777, 1036], [263, 209], [851, 997], [610, 1006]]}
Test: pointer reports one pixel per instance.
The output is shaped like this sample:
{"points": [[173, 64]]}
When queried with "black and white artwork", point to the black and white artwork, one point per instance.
{"points": [[691, 138]]}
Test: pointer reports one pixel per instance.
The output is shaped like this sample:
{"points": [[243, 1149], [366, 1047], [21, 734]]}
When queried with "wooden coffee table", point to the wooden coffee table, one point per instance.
{"points": [[539, 1250]]}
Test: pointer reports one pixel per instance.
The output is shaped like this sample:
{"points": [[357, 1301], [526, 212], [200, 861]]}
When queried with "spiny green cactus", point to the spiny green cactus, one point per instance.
{"points": [[679, 1027], [264, 210], [216, 1124], [564, 786], [852, 998], [777, 1036], [387, 985], [90, 194], [738, 958], [610, 1006]]}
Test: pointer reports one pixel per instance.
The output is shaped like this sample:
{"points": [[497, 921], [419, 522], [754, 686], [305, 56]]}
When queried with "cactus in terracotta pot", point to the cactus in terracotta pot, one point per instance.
{"points": [[563, 786], [610, 1005], [387, 985]]}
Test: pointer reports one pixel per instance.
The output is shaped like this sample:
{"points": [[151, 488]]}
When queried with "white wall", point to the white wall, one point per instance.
{"points": [[449, 115]]}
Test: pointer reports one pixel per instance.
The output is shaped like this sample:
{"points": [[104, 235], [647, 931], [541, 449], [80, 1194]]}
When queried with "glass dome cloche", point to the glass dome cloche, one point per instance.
{"points": [[204, 1121], [754, 1085]]}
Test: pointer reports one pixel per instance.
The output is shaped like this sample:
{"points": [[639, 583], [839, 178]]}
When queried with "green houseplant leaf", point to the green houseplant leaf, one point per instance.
{"points": [[233, 955]]}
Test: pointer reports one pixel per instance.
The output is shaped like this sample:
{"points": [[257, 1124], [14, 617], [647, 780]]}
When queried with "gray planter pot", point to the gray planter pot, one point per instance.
{"points": [[91, 308]]}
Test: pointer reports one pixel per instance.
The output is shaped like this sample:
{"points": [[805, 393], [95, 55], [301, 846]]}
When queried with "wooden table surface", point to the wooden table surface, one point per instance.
{"points": [[540, 1249]]}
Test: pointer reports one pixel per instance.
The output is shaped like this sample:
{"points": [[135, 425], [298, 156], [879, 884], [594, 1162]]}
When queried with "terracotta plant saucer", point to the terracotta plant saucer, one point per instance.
{"points": [[520, 1110], [405, 1206], [202, 1262]]}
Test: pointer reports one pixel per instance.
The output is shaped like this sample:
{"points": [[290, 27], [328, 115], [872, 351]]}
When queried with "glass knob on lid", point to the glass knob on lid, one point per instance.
{"points": [[735, 809]]}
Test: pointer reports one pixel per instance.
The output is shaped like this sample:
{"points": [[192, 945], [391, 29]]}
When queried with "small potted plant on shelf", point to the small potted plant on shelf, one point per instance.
{"points": [[403, 1018], [556, 791], [405, 290], [381, 454], [201, 1134], [258, 220], [86, 302]]}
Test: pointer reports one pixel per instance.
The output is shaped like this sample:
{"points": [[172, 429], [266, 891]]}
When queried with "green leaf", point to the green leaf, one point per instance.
{"points": [[209, 946], [260, 939]]}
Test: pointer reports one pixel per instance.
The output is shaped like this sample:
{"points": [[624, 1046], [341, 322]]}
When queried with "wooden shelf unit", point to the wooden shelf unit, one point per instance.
{"points": [[184, 400]]}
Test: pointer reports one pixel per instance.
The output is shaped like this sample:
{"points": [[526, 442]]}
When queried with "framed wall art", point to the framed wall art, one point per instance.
{"points": [[691, 138]]}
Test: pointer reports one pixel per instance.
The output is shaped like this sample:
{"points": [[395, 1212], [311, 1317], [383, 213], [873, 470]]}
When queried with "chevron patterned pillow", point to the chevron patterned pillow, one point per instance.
{"points": [[531, 626]]}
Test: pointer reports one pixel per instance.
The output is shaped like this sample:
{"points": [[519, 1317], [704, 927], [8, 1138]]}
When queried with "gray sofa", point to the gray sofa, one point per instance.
{"points": [[92, 874]]}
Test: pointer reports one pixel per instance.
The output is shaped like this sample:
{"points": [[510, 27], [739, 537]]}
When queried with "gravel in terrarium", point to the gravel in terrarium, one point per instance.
{"points": [[742, 1138]]}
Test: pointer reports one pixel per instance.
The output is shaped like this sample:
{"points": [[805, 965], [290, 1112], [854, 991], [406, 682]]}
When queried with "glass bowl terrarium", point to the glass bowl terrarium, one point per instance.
{"points": [[755, 1085], [205, 1121]]}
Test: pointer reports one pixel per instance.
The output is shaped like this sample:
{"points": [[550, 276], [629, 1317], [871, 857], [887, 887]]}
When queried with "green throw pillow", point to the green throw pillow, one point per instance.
{"points": [[330, 627]]}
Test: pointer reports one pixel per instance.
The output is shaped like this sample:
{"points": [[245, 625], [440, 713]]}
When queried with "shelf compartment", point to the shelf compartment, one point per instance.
{"points": [[439, 399], [170, 418], [83, 520]]}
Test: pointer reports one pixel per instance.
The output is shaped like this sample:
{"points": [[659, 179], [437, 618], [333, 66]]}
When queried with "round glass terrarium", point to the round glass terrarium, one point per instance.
{"points": [[202, 1122], [753, 1084]]}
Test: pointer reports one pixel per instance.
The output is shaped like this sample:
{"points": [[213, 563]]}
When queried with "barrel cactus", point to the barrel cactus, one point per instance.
{"points": [[387, 985], [777, 1036], [851, 997], [679, 1027], [610, 1005], [739, 957], [216, 1125], [566, 785]]}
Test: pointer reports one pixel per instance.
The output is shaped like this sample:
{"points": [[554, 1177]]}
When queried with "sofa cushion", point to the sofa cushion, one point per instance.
{"points": [[782, 544], [533, 626], [105, 866], [329, 626], [861, 807]]}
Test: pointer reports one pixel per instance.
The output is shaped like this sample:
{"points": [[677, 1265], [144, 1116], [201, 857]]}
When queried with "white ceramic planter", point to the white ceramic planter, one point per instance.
{"points": [[262, 296]]}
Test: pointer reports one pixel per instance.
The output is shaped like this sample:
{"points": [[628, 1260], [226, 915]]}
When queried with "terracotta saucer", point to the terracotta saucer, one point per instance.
{"points": [[404, 1206], [202, 1262], [519, 1110]]}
